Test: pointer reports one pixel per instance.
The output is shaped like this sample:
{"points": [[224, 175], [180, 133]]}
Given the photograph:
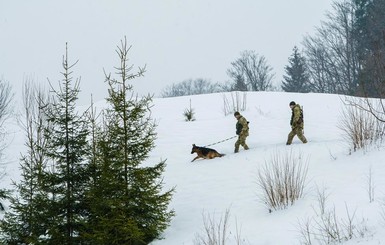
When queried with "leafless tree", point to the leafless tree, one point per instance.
{"points": [[253, 71], [191, 87], [34, 121], [6, 97], [332, 52]]}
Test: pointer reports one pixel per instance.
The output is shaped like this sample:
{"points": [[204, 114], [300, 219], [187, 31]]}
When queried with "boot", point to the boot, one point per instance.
{"points": [[246, 147], [236, 150]]}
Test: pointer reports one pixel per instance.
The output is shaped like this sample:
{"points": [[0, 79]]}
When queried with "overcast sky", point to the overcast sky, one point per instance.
{"points": [[175, 39]]}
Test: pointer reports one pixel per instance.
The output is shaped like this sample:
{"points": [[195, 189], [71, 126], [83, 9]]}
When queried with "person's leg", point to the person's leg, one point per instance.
{"points": [[300, 135], [243, 142], [237, 143], [290, 137]]}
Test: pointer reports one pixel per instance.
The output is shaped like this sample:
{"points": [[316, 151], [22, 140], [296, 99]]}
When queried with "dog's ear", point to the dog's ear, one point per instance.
{"points": [[193, 145]]}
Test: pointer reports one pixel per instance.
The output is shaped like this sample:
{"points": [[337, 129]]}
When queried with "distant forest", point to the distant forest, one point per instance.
{"points": [[346, 55]]}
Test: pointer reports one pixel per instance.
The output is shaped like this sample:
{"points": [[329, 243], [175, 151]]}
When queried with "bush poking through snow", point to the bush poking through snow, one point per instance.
{"points": [[218, 232], [282, 180], [189, 113], [330, 228], [360, 128], [238, 103]]}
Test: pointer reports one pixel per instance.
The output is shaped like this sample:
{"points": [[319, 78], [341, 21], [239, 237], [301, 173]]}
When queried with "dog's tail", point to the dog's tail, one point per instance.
{"points": [[221, 155]]}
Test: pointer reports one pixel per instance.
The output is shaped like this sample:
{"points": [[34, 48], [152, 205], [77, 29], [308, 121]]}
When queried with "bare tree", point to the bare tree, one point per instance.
{"points": [[191, 87], [6, 97], [332, 53], [316, 56], [23, 223], [251, 71]]}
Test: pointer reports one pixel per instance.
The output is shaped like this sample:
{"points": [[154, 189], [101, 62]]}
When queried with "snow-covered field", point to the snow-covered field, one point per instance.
{"points": [[207, 188]]}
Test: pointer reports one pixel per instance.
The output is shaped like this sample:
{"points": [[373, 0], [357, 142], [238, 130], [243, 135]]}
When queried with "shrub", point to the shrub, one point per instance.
{"points": [[331, 228], [360, 128], [189, 113], [282, 180], [237, 103], [216, 232]]}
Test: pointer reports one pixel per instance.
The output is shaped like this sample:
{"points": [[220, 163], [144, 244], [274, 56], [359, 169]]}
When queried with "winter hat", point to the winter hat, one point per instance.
{"points": [[236, 113], [292, 103]]}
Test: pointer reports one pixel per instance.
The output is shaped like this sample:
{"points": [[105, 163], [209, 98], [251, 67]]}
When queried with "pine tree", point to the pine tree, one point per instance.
{"points": [[240, 84], [127, 206], [67, 148], [296, 78], [370, 38]]}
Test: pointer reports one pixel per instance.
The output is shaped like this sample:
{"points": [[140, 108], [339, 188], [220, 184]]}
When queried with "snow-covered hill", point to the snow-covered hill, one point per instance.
{"points": [[210, 187]]}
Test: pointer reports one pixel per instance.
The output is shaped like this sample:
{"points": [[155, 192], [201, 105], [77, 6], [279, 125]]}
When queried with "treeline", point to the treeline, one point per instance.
{"points": [[346, 55], [83, 177]]}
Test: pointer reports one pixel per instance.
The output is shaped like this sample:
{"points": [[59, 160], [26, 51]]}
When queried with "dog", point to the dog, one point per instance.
{"points": [[204, 152]]}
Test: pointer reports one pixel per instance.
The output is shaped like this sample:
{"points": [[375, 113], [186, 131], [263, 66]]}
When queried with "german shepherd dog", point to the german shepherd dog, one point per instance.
{"points": [[204, 152]]}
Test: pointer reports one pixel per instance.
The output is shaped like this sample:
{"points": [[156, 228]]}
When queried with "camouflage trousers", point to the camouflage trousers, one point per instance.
{"points": [[296, 131], [241, 141]]}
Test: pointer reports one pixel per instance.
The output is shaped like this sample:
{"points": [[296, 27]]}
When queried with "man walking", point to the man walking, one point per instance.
{"points": [[242, 131], [296, 123]]}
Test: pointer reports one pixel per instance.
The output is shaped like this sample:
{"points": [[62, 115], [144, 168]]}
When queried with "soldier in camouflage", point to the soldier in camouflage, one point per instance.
{"points": [[296, 124], [242, 127]]}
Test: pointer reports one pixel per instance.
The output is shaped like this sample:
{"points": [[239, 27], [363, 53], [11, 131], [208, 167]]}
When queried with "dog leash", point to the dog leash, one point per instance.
{"points": [[221, 141]]}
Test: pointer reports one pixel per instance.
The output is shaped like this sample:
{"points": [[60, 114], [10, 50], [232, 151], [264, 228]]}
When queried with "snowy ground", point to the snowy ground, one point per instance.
{"points": [[210, 187]]}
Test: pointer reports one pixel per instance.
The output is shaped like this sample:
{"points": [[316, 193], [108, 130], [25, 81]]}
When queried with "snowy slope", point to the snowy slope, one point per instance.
{"points": [[230, 183]]}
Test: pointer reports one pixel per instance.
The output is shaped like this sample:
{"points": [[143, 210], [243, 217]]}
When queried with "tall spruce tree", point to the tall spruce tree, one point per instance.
{"points": [[126, 203], [296, 78], [369, 33], [25, 223], [68, 150]]}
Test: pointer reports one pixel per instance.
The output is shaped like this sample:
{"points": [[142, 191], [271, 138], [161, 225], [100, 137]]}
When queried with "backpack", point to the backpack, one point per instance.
{"points": [[301, 115]]}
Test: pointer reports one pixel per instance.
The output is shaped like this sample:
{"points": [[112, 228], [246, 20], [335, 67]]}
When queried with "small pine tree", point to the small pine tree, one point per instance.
{"points": [[297, 78], [126, 203], [189, 113]]}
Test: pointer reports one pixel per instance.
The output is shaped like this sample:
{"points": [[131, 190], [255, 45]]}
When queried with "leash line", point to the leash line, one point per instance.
{"points": [[221, 141]]}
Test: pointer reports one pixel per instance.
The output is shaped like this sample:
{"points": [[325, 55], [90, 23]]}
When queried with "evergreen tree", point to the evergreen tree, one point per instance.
{"points": [[67, 148], [369, 33], [296, 78], [126, 203], [239, 83]]}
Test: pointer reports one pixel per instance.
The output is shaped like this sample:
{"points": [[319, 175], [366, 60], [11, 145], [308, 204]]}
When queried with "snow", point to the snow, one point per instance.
{"points": [[210, 187]]}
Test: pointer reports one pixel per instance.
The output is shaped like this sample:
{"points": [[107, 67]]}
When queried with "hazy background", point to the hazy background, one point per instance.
{"points": [[176, 39]]}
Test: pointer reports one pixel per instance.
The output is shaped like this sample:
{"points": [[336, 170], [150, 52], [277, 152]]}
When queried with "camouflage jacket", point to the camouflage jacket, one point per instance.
{"points": [[296, 117], [242, 126]]}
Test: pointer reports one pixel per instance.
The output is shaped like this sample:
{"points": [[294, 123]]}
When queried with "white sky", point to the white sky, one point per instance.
{"points": [[176, 39]]}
